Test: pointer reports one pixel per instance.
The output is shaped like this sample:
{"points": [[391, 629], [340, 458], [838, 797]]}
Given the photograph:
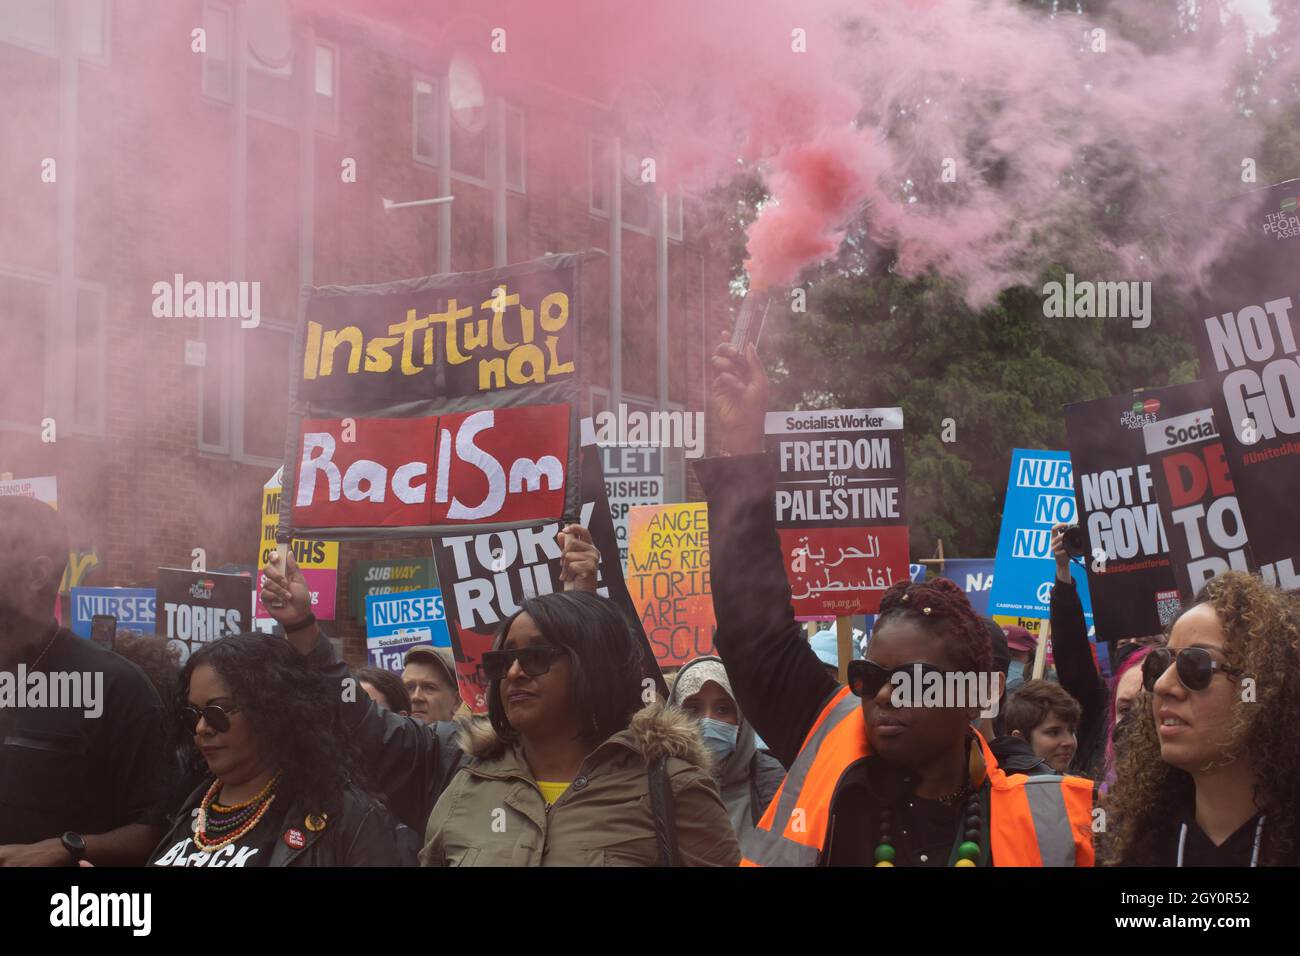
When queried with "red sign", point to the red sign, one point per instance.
{"points": [[493, 465], [469, 673], [841, 570]]}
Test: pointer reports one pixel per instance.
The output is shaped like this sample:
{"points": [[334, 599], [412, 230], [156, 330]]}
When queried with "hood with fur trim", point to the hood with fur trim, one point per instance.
{"points": [[654, 731]]}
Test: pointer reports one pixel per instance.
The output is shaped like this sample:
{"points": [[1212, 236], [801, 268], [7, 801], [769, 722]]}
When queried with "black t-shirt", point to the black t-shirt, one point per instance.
{"points": [[252, 849], [922, 832], [91, 767], [1199, 849]]}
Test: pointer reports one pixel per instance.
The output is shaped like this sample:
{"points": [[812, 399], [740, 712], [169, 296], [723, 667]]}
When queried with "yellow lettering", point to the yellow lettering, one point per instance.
{"points": [[311, 354], [532, 355], [454, 355], [560, 302], [352, 336], [407, 330], [377, 357], [491, 374], [556, 367]]}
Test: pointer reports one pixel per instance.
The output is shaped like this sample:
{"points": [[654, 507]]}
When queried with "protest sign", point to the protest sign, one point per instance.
{"points": [[975, 577], [1248, 319], [840, 506], [668, 578], [318, 560], [633, 476], [44, 489], [198, 607], [1040, 493], [389, 577], [489, 574], [134, 608], [1198, 500], [423, 405], [1130, 576], [397, 622]]}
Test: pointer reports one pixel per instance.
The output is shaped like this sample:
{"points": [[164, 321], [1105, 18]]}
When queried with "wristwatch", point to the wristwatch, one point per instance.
{"points": [[75, 844]]}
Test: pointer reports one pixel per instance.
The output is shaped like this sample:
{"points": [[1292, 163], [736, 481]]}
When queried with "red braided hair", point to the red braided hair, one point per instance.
{"points": [[950, 618]]}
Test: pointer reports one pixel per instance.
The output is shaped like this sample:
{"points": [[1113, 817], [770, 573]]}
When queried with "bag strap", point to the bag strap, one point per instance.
{"points": [[662, 809]]}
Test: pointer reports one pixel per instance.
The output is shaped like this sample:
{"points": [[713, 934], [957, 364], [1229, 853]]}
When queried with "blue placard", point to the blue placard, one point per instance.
{"points": [[134, 608], [975, 577], [408, 612], [1040, 493]]}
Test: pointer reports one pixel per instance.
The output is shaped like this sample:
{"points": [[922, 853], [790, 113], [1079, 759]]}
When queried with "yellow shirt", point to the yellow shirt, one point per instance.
{"points": [[552, 791]]}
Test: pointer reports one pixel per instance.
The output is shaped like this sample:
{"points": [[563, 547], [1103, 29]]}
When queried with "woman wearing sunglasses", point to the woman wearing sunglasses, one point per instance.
{"points": [[562, 769], [277, 789], [1209, 774], [874, 779]]}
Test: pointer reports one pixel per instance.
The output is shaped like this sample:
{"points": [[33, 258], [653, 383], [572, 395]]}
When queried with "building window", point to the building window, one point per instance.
{"points": [[676, 215], [425, 122], [27, 308], [516, 149], [52, 369], [217, 62], [270, 91], [238, 416], [326, 98], [35, 25]]}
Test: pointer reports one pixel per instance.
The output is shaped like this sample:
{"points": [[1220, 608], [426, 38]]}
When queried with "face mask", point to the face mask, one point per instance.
{"points": [[1015, 674], [720, 737]]}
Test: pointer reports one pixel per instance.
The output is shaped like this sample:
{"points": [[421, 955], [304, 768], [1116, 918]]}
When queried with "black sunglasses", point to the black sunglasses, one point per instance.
{"points": [[867, 677], [1194, 666], [218, 718], [535, 661]]}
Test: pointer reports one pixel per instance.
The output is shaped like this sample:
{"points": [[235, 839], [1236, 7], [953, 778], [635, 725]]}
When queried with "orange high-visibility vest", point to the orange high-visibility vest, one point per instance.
{"points": [[1033, 821]]}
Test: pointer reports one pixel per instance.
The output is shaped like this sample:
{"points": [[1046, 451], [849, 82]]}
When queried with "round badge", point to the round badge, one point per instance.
{"points": [[295, 839], [315, 822]]}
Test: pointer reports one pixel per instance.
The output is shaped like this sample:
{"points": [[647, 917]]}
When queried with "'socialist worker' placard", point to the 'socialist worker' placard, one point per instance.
{"points": [[840, 506], [435, 403]]}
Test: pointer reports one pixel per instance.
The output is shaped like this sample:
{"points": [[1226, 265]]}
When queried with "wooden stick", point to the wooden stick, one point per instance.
{"points": [[1040, 652]]}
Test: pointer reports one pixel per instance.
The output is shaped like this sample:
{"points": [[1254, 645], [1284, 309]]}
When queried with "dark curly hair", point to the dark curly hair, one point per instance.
{"points": [[606, 662], [950, 618], [292, 709], [1261, 625]]}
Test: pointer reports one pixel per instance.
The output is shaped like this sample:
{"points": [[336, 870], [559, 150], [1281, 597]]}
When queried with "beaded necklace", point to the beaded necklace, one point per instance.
{"points": [[218, 825], [970, 848]]}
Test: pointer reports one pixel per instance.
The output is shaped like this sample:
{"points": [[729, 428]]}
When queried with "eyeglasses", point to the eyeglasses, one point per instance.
{"points": [[218, 718], [535, 661], [867, 677], [1194, 666]]}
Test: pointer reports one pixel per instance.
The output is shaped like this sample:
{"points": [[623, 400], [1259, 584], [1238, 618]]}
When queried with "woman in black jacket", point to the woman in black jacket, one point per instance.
{"points": [[279, 787]]}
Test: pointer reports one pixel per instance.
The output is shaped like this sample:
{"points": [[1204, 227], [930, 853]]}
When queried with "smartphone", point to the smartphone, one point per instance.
{"points": [[103, 630], [749, 324]]}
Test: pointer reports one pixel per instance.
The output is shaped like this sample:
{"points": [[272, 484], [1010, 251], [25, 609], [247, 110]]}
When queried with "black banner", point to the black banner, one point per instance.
{"points": [[487, 575], [1248, 327], [1198, 501], [1130, 576], [199, 607]]}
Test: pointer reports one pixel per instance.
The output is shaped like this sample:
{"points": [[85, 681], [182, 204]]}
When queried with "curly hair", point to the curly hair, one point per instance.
{"points": [[292, 709], [1262, 629], [950, 618]]}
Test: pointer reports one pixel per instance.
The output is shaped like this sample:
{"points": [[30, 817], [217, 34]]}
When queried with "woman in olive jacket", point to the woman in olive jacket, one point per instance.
{"points": [[561, 771]]}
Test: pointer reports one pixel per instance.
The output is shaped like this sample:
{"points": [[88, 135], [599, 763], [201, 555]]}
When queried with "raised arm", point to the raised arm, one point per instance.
{"points": [[780, 684]]}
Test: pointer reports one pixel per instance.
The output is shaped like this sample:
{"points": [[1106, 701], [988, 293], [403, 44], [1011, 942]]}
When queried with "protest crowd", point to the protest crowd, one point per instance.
{"points": [[266, 750]]}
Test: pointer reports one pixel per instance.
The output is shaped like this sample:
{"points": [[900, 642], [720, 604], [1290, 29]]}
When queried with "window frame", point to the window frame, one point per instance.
{"points": [[330, 128], [233, 392], [222, 8], [435, 94], [97, 59], [522, 187], [592, 208]]}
